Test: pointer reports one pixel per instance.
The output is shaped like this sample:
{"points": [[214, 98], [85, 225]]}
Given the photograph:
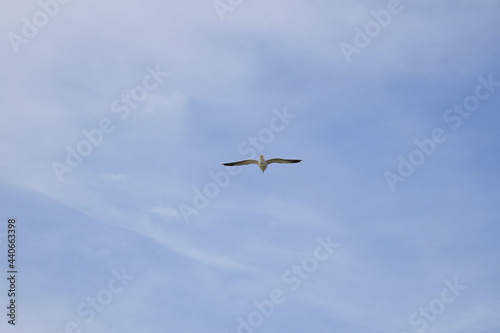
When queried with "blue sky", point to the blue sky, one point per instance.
{"points": [[116, 118]]}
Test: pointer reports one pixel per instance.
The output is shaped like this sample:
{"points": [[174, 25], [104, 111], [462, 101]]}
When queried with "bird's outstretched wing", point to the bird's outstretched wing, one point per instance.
{"points": [[281, 160], [244, 162]]}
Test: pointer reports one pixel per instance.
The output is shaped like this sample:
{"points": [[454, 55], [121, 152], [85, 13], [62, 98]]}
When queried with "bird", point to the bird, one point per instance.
{"points": [[262, 162]]}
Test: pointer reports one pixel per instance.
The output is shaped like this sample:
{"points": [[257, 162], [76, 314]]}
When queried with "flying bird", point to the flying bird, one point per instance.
{"points": [[262, 162]]}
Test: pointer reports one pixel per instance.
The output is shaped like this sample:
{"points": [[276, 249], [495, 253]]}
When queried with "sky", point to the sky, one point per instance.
{"points": [[116, 118]]}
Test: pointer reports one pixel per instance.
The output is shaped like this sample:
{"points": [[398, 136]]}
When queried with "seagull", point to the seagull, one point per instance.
{"points": [[262, 162]]}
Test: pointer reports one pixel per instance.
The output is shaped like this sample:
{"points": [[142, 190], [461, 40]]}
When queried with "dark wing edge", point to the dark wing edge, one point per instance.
{"points": [[244, 162], [282, 160]]}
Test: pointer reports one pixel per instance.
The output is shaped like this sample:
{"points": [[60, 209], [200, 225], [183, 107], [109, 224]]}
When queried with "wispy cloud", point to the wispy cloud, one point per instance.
{"points": [[119, 206]]}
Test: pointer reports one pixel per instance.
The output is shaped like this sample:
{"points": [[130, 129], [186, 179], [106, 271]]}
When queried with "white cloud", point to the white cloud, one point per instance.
{"points": [[225, 79], [115, 177], [165, 212]]}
